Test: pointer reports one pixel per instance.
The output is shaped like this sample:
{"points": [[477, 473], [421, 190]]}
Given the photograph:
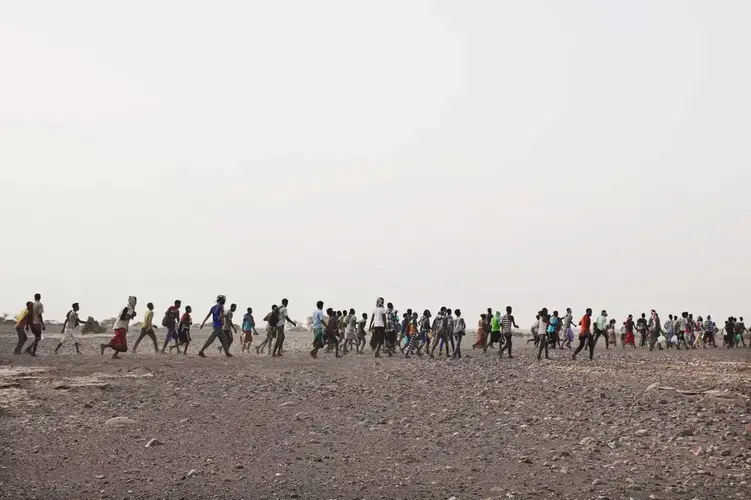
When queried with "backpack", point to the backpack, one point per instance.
{"points": [[167, 320], [273, 317]]}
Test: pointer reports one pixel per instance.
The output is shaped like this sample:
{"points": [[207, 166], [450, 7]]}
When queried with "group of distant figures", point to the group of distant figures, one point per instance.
{"points": [[677, 332], [410, 333]]}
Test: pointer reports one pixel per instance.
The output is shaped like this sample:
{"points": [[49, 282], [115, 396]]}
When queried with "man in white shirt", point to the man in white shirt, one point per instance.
{"points": [[378, 327], [36, 323], [283, 319]]}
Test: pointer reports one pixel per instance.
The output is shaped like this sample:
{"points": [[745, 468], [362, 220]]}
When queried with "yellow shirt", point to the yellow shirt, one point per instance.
{"points": [[148, 317], [21, 317]]}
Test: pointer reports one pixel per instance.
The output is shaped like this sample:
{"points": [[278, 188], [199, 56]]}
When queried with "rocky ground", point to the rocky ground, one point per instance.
{"points": [[630, 424]]}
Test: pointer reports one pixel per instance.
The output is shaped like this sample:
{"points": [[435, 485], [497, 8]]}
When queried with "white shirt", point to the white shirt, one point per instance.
{"points": [[379, 317], [542, 327], [282, 316], [123, 323], [38, 310]]}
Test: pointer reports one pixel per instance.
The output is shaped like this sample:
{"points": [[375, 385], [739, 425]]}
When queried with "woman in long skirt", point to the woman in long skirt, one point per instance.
{"points": [[610, 330], [482, 334], [119, 342]]}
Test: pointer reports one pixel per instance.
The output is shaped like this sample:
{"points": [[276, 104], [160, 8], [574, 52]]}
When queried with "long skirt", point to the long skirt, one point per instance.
{"points": [[379, 335], [119, 342], [611, 336], [481, 338], [414, 342], [630, 339]]}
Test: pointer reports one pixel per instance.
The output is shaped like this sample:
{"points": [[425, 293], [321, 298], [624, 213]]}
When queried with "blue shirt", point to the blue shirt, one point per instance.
{"points": [[248, 322], [318, 318], [553, 324], [217, 313]]}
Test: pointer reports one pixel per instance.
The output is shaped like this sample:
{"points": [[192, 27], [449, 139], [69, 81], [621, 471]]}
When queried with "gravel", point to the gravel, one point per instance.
{"points": [[479, 427]]}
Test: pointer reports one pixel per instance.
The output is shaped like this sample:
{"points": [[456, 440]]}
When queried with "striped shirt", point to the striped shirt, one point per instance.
{"points": [[449, 328], [390, 324], [72, 323], [459, 326], [506, 322]]}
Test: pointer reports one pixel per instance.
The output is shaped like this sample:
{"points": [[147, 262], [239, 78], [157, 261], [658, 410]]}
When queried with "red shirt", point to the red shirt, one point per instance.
{"points": [[585, 324], [185, 321]]}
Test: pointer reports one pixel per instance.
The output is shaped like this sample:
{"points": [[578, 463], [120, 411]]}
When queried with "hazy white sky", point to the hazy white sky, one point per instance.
{"points": [[461, 153]]}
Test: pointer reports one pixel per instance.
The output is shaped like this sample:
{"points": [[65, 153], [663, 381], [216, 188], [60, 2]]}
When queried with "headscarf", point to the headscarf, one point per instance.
{"points": [[379, 302], [131, 308]]}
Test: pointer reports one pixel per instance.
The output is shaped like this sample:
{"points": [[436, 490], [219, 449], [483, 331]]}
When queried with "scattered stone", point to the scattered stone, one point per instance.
{"points": [[119, 422], [653, 386], [641, 432], [191, 473], [100, 476], [596, 482], [288, 403], [153, 442]]}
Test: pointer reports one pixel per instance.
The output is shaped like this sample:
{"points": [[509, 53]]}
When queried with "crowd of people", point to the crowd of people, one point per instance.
{"points": [[411, 334]]}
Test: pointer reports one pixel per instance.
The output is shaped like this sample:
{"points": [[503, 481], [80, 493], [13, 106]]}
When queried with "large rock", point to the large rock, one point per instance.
{"points": [[92, 326]]}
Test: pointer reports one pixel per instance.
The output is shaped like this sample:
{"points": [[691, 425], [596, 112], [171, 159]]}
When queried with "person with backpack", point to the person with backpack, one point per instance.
{"points": [[271, 320], [282, 320], [641, 327], [183, 331], [171, 317]]}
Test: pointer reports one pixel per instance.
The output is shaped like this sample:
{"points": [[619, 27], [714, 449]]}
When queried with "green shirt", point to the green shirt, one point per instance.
{"points": [[495, 324]]}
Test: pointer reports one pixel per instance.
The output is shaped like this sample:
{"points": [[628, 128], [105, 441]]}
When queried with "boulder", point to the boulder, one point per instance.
{"points": [[92, 326]]}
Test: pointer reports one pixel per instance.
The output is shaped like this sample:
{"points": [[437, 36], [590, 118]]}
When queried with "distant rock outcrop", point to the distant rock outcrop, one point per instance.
{"points": [[93, 326]]}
